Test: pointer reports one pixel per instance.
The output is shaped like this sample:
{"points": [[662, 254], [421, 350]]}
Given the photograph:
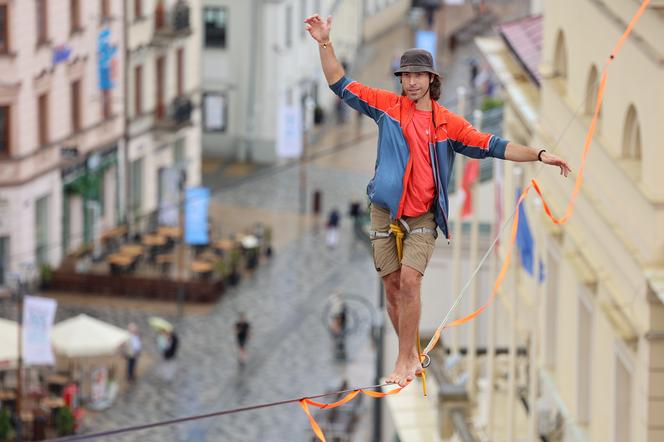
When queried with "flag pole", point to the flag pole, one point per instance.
{"points": [[474, 246]]}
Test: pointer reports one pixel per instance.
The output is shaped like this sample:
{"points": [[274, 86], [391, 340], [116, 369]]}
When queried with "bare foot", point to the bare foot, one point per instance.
{"points": [[405, 371]]}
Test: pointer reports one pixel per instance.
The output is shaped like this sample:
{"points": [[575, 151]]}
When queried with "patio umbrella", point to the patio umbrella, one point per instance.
{"points": [[8, 343], [160, 324], [84, 336]]}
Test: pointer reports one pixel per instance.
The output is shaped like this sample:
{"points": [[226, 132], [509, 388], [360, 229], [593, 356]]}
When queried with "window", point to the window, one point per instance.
{"points": [[180, 71], [105, 9], [592, 89], [138, 9], [136, 178], [41, 229], [215, 21], [560, 58], [214, 112], [74, 15], [551, 320], [289, 26], [303, 15], [42, 21], [4, 259], [76, 106], [584, 356], [138, 90], [179, 155], [622, 419], [159, 15], [4, 28], [632, 136], [160, 110], [4, 130], [106, 104], [42, 117]]}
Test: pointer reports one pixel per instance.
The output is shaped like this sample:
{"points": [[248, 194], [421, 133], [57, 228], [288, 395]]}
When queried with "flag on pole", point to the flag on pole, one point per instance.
{"points": [[471, 174], [524, 240]]}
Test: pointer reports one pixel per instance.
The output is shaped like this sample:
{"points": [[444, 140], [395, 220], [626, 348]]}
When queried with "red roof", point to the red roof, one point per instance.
{"points": [[524, 38]]}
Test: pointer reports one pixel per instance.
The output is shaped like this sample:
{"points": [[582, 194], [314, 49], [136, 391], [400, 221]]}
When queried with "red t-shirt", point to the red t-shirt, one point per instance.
{"points": [[420, 187]]}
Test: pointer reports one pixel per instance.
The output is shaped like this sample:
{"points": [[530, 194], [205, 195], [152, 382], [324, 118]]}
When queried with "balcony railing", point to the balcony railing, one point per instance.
{"points": [[176, 116], [171, 23]]}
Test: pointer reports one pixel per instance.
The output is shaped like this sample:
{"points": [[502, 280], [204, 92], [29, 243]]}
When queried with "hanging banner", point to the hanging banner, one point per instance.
{"points": [[289, 141], [427, 40], [196, 215], [105, 54], [38, 316]]}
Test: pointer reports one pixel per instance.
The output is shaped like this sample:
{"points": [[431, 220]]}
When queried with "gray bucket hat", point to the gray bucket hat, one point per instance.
{"points": [[416, 60]]}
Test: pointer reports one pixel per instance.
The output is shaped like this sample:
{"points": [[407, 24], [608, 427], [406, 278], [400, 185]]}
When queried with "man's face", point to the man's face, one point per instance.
{"points": [[415, 84]]}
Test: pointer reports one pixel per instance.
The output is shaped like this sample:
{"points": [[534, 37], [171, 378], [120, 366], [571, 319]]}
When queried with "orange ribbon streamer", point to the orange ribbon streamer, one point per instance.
{"points": [[570, 204], [305, 402]]}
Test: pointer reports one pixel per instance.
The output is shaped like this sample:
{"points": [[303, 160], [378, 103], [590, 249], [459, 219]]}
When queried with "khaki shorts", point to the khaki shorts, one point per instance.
{"points": [[417, 247]]}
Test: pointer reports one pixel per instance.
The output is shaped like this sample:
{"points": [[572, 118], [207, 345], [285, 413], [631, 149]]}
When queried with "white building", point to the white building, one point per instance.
{"points": [[60, 126], [163, 116], [258, 60]]}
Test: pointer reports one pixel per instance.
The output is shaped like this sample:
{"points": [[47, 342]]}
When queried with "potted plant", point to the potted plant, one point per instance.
{"points": [[64, 421], [234, 258], [45, 276], [6, 430]]}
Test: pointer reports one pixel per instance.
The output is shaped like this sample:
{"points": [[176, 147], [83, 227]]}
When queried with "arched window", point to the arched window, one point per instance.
{"points": [[560, 58], [592, 88], [631, 145], [632, 136]]}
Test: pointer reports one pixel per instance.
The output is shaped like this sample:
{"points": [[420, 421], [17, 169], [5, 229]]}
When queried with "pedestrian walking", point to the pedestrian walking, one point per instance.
{"points": [[168, 344], [133, 349], [417, 142], [332, 229], [242, 333]]}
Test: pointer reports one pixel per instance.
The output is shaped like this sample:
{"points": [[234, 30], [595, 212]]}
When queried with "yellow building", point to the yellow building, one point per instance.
{"points": [[599, 337]]}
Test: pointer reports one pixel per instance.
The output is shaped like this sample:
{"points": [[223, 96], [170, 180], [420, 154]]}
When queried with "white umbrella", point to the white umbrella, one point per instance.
{"points": [[83, 336], [8, 343]]}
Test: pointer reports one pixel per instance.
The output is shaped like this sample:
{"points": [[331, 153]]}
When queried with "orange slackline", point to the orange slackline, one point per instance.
{"points": [[503, 271]]}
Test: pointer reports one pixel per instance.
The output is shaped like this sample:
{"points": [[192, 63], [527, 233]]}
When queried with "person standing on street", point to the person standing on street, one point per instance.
{"points": [[417, 143], [242, 329], [132, 351]]}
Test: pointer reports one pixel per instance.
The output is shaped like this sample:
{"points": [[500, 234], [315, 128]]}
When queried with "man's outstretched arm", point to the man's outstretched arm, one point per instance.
{"points": [[520, 153], [320, 31]]}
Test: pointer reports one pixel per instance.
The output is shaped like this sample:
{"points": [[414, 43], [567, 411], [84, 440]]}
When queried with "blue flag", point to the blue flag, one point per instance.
{"points": [[524, 240]]}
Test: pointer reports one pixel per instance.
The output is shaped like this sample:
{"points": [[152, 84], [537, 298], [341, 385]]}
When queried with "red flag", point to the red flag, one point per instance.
{"points": [[470, 175]]}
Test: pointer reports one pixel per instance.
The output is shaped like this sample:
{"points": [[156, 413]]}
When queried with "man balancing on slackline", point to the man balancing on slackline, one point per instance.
{"points": [[418, 139]]}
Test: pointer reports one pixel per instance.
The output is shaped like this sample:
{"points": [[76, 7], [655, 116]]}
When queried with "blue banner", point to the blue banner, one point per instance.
{"points": [[524, 241], [105, 53], [427, 40], [196, 204]]}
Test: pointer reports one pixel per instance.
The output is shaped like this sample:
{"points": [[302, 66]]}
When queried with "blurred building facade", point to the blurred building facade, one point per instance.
{"points": [[598, 341], [78, 155], [258, 60], [163, 106], [61, 126]]}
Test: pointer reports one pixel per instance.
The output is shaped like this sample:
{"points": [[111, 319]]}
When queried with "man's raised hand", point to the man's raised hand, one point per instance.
{"points": [[319, 28]]}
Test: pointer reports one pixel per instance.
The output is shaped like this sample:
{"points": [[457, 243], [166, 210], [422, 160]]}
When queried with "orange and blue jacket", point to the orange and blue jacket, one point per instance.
{"points": [[452, 135]]}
